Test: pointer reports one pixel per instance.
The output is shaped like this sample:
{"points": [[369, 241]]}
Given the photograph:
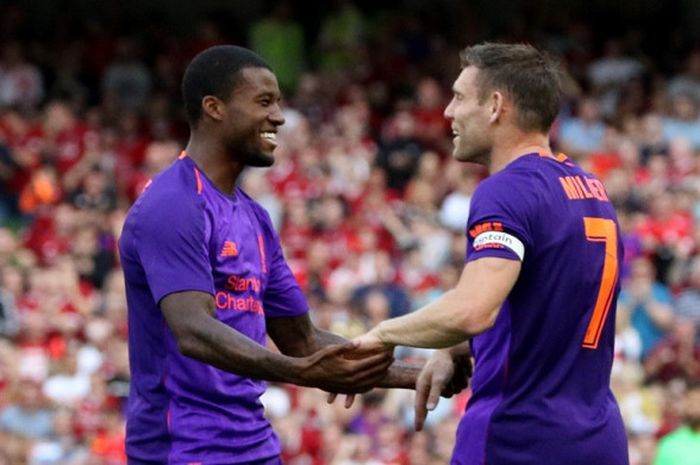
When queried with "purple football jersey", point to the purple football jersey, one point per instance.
{"points": [[541, 392], [183, 234]]}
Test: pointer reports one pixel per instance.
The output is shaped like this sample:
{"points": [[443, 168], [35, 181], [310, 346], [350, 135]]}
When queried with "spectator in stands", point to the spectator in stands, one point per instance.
{"points": [[127, 80], [688, 82], [21, 82], [341, 36], [280, 40], [687, 302], [28, 415], [676, 356], [648, 304], [584, 133], [400, 151], [683, 445], [431, 126], [68, 385], [683, 121], [611, 71]]}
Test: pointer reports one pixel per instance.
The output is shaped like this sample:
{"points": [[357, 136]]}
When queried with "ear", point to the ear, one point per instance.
{"points": [[213, 107], [497, 106]]}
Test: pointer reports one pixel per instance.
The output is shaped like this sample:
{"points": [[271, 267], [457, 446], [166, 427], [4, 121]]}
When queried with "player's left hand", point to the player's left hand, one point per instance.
{"points": [[443, 375]]}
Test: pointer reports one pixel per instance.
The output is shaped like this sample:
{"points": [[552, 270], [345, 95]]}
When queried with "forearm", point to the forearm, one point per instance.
{"points": [[298, 337], [322, 339], [229, 350], [460, 349], [401, 375], [404, 375], [437, 325], [463, 312]]}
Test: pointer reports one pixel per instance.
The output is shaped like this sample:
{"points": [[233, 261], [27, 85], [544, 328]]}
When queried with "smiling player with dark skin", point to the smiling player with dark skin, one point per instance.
{"points": [[206, 282]]}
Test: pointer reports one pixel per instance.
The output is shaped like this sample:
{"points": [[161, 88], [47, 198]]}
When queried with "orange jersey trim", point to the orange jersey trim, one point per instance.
{"points": [[263, 257], [199, 181]]}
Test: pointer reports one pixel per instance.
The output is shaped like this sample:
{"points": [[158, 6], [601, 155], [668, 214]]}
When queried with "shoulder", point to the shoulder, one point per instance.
{"points": [[171, 197], [179, 180]]}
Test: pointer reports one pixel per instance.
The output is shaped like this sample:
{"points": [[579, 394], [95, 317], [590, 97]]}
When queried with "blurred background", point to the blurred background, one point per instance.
{"points": [[369, 205]]}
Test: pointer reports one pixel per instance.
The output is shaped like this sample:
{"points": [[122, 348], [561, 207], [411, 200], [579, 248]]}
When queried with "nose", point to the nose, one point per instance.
{"points": [[448, 113], [276, 117]]}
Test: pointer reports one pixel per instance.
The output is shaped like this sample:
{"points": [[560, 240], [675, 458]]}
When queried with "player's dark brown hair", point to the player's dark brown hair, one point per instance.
{"points": [[215, 71], [528, 76]]}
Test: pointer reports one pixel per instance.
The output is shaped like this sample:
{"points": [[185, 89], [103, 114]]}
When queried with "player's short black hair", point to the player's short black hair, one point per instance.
{"points": [[215, 71], [530, 77]]}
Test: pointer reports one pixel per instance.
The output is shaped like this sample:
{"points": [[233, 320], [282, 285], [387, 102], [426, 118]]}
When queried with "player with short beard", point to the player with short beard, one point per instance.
{"points": [[536, 299]]}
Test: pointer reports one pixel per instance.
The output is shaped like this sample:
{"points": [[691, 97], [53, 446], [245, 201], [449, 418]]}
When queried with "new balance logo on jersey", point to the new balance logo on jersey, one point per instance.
{"points": [[230, 249]]}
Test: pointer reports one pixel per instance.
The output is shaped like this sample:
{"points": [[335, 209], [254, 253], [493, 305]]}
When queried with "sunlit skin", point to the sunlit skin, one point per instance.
{"points": [[240, 132], [486, 131], [231, 134], [468, 117], [252, 116]]}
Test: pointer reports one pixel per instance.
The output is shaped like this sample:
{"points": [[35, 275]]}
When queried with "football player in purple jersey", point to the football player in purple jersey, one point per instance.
{"points": [[206, 281], [535, 303]]}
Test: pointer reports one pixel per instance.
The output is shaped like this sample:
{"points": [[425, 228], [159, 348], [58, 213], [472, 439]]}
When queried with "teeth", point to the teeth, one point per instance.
{"points": [[269, 136]]}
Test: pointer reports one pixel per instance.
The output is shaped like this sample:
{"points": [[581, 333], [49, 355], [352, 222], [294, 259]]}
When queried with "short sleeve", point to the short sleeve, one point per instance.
{"points": [[172, 248], [499, 223], [283, 297]]}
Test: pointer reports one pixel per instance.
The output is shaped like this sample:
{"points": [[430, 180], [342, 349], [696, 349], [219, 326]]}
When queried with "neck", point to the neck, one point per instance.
{"points": [[213, 159], [509, 147]]}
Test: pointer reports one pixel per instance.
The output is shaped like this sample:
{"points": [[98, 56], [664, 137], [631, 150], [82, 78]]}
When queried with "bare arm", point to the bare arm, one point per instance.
{"points": [[465, 311], [460, 350], [190, 316], [298, 337]]}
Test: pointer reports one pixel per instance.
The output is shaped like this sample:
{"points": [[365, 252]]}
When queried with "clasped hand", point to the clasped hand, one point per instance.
{"points": [[347, 368], [443, 375]]}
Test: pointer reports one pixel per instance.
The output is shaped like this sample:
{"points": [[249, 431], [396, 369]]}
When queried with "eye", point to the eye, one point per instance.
{"points": [[266, 102]]}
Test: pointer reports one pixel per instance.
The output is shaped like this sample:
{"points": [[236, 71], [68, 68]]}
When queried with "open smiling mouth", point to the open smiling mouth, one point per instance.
{"points": [[269, 136]]}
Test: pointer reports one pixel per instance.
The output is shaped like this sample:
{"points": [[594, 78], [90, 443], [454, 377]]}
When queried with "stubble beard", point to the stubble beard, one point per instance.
{"points": [[481, 156]]}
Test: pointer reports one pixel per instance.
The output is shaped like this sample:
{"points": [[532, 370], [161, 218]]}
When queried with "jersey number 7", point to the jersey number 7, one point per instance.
{"points": [[602, 230]]}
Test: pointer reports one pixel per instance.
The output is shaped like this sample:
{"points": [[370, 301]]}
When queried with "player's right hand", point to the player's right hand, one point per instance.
{"points": [[349, 399], [338, 368]]}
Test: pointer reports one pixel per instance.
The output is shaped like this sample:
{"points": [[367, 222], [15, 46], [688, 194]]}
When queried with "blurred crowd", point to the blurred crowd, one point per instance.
{"points": [[370, 207]]}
